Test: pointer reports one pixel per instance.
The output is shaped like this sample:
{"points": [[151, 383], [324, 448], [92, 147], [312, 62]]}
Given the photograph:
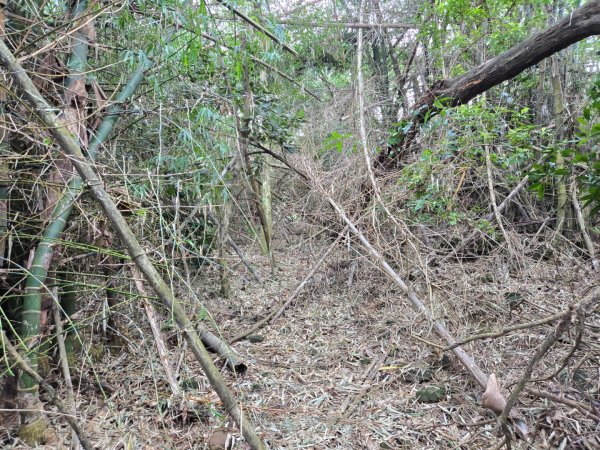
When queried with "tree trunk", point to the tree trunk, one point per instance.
{"points": [[263, 234], [75, 99], [580, 24], [559, 120]]}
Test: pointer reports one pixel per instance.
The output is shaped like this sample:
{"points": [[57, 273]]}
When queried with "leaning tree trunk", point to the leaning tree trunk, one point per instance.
{"points": [[4, 151], [580, 24]]}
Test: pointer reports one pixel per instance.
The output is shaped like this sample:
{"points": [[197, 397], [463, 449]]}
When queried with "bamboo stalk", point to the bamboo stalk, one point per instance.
{"points": [[581, 222], [135, 250], [161, 347], [465, 359], [64, 207], [38, 271]]}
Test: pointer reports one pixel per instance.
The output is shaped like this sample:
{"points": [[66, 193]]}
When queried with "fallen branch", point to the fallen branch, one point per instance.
{"points": [[212, 342], [158, 339], [576, 312], [495, 211], [586, 410], [581, 222], [576, 26], [505, 331], [465, 359]]}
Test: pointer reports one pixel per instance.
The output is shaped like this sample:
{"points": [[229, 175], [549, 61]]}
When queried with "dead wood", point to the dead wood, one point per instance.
{"points": [[130, 241], [465, 359], [575, 313], [158, 339]]}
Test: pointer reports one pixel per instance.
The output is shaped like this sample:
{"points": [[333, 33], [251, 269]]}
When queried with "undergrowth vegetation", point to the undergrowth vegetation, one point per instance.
{"points": [[257, 224]]}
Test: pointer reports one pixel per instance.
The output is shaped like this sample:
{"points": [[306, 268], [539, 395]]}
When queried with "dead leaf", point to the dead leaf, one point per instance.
{"points": [[75, 94], [492, 398], [101, 97], [49, 67], [90, 31], [369, 443]]}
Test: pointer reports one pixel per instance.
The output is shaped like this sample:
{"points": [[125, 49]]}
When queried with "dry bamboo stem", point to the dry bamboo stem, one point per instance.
{"points": [[160, 343], [465, 359], [64, 362], [489, 217], [581, 222], [135, 250], [416, 302], [490, 180]]}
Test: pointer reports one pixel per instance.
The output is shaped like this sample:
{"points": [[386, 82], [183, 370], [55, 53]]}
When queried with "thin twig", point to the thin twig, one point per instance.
{"points": [[278, 310]]}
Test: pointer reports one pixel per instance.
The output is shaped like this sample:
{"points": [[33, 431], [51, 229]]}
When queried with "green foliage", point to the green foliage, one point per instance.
{"points": [[581, 156], [467, 24], [588, 159], [458, 136], [429, 199], [337, 142], [273, 122]]}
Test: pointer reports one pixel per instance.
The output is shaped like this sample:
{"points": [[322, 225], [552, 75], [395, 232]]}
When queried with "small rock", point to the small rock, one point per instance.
{"points": [[254, 338], [220, 440], [487, 278], [417, 375]]}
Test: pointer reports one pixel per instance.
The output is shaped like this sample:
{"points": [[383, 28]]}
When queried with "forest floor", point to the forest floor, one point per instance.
{"points": [[342, 367]]}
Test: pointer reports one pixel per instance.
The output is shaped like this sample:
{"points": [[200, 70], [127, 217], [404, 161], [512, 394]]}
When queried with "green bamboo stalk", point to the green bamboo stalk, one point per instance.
{"points": [[62, 211], [36, 278], [68, 304], [135, 250], [4, 151]]}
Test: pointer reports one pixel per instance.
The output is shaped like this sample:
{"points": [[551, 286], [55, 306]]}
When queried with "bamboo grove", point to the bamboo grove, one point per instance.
{"points": [[154, 151]]}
